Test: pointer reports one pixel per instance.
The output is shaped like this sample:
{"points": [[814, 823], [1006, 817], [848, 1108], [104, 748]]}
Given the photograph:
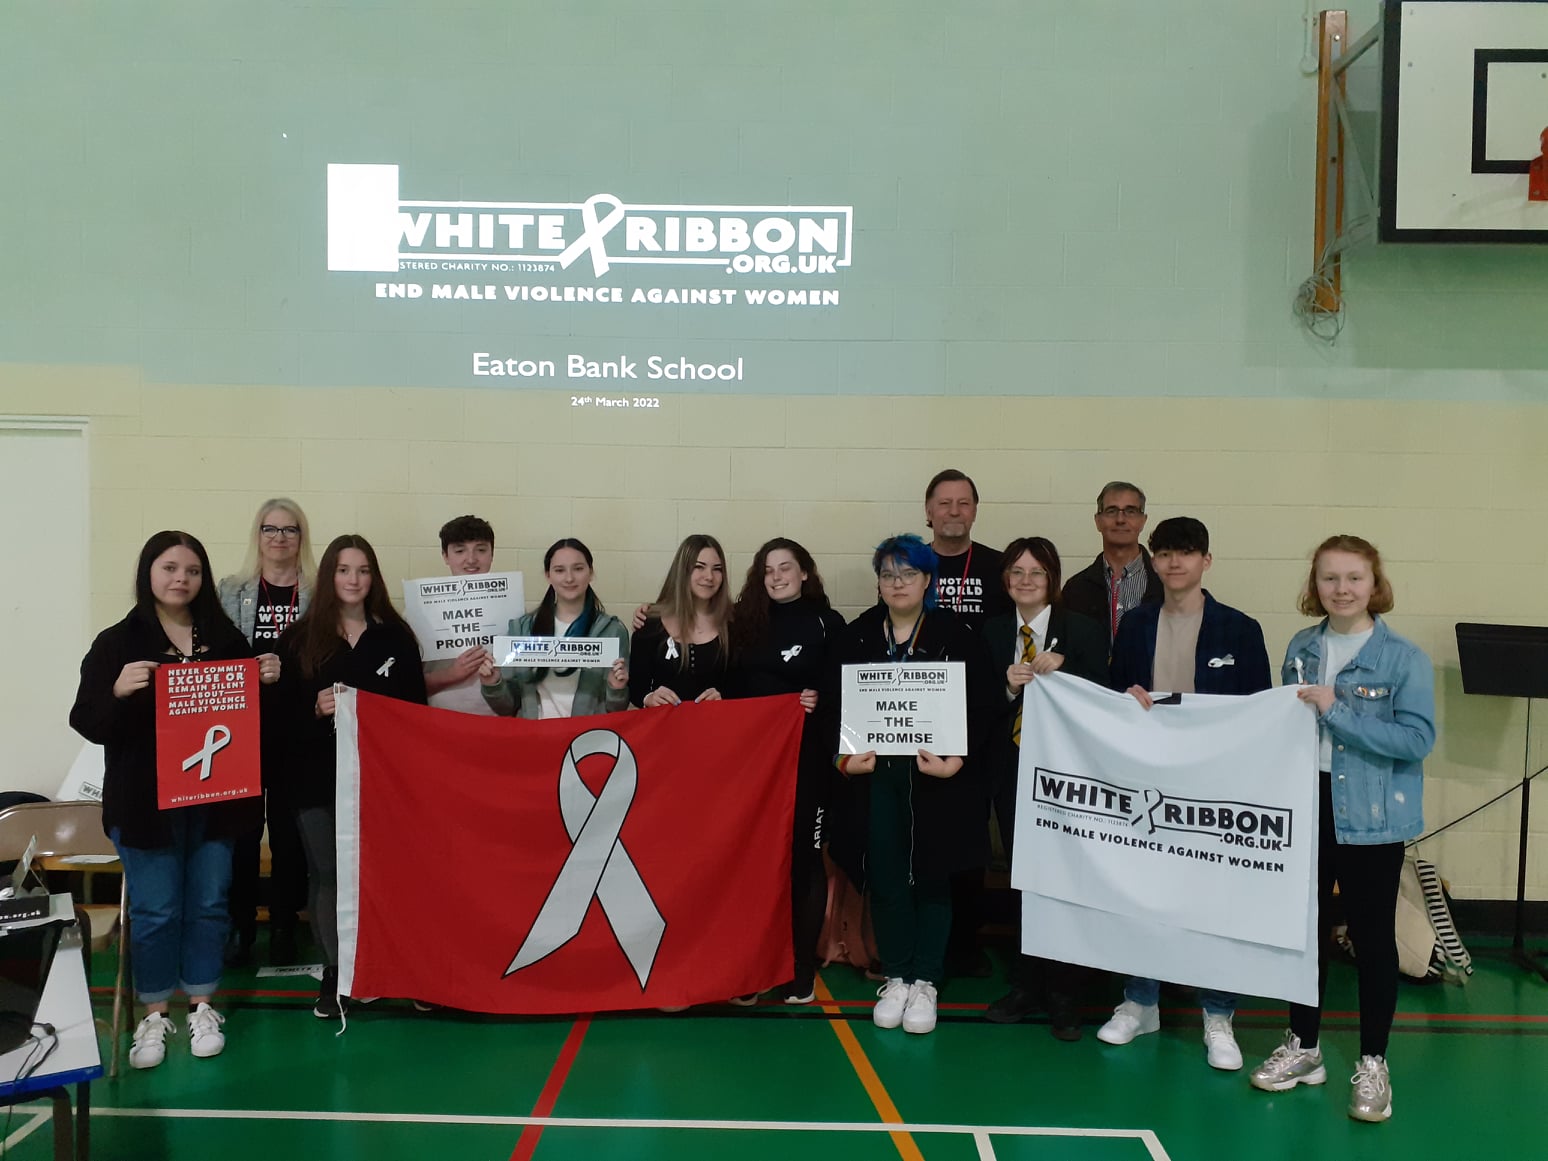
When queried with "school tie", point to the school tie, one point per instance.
{"points": [[1028, 651]]}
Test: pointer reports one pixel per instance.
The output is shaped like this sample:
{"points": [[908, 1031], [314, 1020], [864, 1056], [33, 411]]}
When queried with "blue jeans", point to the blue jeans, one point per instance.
{"points": [[1148, 993], [177, 909]]}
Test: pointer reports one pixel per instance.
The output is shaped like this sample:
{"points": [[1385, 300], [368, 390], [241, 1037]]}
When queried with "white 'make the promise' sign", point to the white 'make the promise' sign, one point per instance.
{"points": [[904, 708]]}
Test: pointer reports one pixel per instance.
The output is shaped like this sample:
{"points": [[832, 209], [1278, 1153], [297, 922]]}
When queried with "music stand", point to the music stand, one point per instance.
{"points": [[1510, 661]]}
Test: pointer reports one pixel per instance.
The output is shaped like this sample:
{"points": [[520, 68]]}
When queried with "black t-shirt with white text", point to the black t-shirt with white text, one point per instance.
{"points": [[969, 584], [276, 609]]}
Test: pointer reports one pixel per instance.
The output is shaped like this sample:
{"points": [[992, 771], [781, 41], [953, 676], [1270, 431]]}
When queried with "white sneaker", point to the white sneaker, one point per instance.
{"points": [[149, 1048], [204, 1035], [1370, 1093], [1130, 1020], [919, 1015], [892, 998], [1220, 1043]]}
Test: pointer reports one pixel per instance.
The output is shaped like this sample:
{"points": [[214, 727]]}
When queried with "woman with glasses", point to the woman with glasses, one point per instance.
{"points": [[263, 598], [904, 824], [1039, 638]]}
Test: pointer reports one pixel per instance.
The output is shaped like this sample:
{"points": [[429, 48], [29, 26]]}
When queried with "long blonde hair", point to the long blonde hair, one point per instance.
{"points": [[306, 565], [676, 600]]}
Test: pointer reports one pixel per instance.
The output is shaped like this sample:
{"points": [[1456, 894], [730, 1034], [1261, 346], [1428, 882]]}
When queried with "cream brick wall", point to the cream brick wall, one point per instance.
{"points": [[1450, 491]]}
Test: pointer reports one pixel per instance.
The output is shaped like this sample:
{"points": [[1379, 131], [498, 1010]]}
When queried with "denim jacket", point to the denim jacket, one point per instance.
{"points": [[1382, 725]]}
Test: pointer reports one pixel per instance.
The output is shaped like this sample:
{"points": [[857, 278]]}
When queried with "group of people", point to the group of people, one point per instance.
{"points": [[911, 831]]}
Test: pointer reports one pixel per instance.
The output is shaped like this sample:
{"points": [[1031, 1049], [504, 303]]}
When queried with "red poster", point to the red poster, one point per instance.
{"points": [[628, 860], [206, 732]]}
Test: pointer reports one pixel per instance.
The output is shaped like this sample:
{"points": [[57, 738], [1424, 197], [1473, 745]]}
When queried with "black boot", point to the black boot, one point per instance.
{"points": [[327, 1007]]}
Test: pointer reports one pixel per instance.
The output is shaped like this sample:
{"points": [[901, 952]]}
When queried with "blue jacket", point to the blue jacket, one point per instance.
{"points": [[1231, 656], [1382, 725]]}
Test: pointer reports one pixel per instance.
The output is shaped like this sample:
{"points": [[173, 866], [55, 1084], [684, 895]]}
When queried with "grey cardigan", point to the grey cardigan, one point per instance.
{"points": [[517, 695], [239, 598]]}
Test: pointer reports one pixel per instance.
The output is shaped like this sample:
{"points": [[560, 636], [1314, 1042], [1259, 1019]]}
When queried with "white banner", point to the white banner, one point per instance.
{"points": [[452, 613], [1178, 843], [555, 652], [904, 708]]}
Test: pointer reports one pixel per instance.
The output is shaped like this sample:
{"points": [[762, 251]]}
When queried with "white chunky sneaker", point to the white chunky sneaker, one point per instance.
{"points": [[149, 1048], [1220, 1043], [919, 1015], [892, 998], [1128, 1021], [1290, 1065], [204, 1035]]}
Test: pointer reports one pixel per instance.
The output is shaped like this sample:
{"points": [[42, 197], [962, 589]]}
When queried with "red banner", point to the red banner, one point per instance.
{"points": [[207, 746], [627, 860]]}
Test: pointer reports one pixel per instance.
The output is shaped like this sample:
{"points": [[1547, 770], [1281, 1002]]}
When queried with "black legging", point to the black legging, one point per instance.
{"points": [[1367, 878], [808, 877]]}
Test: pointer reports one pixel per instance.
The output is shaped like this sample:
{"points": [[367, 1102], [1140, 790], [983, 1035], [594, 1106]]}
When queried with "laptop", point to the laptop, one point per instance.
{"points": [[26, 955]]}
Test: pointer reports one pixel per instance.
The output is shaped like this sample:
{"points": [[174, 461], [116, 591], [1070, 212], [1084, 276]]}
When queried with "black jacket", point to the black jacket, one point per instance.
{"points": [[308, 740], [1087, 593], [126, 730], [951, 815], [1230, 656]]}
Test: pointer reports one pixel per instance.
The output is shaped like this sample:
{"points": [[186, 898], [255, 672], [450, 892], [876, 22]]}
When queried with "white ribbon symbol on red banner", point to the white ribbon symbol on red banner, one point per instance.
{"points": [[597, 865], [216, 738]]}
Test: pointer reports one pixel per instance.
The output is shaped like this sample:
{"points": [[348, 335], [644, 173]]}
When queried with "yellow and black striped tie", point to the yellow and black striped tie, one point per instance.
{"points": [[1028, 651]]}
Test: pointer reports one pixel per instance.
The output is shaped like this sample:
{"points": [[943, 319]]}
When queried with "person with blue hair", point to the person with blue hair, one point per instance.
{"points": [[904, 824]]}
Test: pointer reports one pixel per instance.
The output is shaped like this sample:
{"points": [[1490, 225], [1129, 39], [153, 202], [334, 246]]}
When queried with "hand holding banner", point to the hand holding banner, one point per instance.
{"points": [[207, 739]]}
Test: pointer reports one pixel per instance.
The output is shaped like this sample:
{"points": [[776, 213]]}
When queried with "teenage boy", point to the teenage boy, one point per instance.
{"points": [[1188, 643], [467, 547]]}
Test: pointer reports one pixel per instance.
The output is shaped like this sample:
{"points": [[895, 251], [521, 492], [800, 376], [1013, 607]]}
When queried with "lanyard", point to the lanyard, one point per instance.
{"points": [[908, 646]]}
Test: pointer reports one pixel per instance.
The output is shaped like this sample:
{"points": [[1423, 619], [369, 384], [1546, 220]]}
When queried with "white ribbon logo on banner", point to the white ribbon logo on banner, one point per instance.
{"points": [[216, 738], [597, 865]]}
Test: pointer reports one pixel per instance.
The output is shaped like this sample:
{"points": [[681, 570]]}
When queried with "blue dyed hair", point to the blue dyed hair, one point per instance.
{"points": [[910, 551]]}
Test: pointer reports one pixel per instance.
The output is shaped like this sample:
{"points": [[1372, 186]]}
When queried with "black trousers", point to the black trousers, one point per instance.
{"points": [[287, 872], [1367, 878], [808, 876]]}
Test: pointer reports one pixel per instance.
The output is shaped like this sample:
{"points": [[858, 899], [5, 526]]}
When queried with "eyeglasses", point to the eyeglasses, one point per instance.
{"points": [[907, 577], [289, 531], [1017, 574], [1112, 513]]}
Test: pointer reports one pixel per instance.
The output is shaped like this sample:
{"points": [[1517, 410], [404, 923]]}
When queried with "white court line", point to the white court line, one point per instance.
{"points": [[980, 1133], [39, 1119], [985, 1149]]}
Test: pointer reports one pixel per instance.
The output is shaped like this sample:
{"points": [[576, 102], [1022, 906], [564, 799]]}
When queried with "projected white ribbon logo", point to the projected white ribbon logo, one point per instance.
{"points": [[597, 865], [216, 739], [595, 233]]}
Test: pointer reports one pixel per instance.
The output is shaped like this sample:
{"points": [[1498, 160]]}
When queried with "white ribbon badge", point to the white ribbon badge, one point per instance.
{"points": [[597, 865], [216, 738]]}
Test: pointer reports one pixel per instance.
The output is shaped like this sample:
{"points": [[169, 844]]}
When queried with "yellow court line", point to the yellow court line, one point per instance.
{"points": [[861, 1063]]}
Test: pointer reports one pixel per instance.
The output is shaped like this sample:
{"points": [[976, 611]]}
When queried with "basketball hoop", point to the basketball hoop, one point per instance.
{"points": [[1537, 173]]}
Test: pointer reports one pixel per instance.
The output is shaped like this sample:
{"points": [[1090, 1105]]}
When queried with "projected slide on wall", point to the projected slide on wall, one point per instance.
{"points": [[610, 199]]}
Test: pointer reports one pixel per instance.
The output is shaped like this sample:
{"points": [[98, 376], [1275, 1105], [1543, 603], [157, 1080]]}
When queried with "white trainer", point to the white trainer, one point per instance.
{"points": [[1370, 1092], [1220, 1043], [1128, 1021], [892, 998], [919, 1015], [1290, 1065], [149, 1048], [204, 1035]]}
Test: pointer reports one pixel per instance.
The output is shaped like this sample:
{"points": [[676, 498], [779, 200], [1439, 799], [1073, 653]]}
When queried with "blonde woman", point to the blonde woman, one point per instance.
{"points": [[264, 598], [680, 653]]}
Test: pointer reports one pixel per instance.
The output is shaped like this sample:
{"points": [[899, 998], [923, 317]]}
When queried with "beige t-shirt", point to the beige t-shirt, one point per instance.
{"points": [[1177, 643]]}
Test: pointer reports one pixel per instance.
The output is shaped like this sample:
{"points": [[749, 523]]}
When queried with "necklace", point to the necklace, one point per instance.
{"points": [[193, 642]]}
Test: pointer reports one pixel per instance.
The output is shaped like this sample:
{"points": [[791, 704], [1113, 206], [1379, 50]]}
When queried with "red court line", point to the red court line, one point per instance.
{"points": [[527, 1143]]}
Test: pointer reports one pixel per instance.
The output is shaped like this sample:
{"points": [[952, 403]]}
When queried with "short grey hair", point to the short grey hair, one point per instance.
{"points": [[1120, 486]]}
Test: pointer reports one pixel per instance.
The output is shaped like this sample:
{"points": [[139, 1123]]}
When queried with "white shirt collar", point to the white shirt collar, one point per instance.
{"points": [[1039, 625]]}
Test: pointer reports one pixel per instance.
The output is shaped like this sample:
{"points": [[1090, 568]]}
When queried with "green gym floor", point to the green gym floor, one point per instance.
{"points": [[813, 1082]]}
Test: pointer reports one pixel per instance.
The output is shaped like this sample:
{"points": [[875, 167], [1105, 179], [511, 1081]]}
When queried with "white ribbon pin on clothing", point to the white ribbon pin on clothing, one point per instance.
{"points": [[216, 738], [597, 865], [1221, 662]]}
